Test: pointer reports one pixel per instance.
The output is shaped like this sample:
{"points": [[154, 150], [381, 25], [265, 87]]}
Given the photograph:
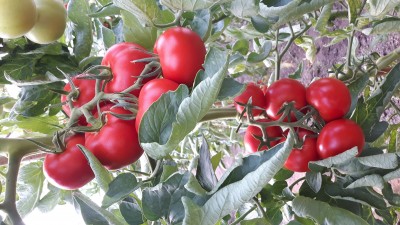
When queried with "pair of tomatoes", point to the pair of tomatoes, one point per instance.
{"points": [[41, 21], [330, 97]]}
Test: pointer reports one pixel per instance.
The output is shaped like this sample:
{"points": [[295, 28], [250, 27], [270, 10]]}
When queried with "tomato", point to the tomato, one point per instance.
{"points": [[116, 144], [150, 93], [338, 136], [87, 92], [70, 169], [125, 72], [300, 157], [182, 53], [330, 97], [50, 23], [251, 142], [17, 17], [284, 91], [256, 95]]}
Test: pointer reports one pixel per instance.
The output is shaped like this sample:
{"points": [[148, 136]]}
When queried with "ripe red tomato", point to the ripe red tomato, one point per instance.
{"points": [[116, 144], [70, 169], [330, 97], [300, 157], [150, 93], [182, 53], [256, 95], [251, 143], [338, 136], [285, 90], [86, 89], [125, 72]]}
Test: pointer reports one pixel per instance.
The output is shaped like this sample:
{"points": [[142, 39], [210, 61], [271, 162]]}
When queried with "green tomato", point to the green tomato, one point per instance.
{"points": [[51, 22], [16, 17]]}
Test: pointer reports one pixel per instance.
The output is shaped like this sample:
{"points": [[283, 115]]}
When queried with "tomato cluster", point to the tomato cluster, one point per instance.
{"points": [[285, 102], [41, 21], [181, 54]]}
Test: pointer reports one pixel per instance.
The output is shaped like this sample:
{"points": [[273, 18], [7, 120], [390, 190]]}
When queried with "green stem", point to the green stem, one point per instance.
{"points": [[386, 60], [219, 113], [242, 217], [259, 206]]}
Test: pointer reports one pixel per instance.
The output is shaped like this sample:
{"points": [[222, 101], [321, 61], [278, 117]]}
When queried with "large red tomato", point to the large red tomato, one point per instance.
{"points": [[116, 144], [330, 97], [70, 169], [300, 157], [284, 91], [87, 92], [125, 72], [338, 136], [182, 53], [257, 97], [251, 143], [150, 93]]}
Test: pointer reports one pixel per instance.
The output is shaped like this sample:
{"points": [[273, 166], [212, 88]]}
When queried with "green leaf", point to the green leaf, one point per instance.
{"points": [[297, 74], [123, 185], [244, 8], [256, 221], [323, 213], [202, 23], [356, 88], [78, 11], [307, 44], [373, 180], [205, 172], [241, 46], [283, 174], [107, 36], [386, 26], [383, 161], [135, 32], [323, 19], [344, 157], [29, 188], [229, 88], [379, 8], [314, 180], [109, 10], [238, 185], [254, 57], [49, 201], [131, 211], [260, 23], [145, 11], [44, 125], [191, 5], [216, 159], [354, 7], [175, 114], [390, 196]]}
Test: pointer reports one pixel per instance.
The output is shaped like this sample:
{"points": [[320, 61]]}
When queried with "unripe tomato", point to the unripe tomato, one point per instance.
{"points": [[284, 91], [182, 53], [116, 144], [257, 97], [300, 157], [251, 143], [338, 136], [17, 17], [70, 169], [150, 93], [330, 97], [50, 23]]}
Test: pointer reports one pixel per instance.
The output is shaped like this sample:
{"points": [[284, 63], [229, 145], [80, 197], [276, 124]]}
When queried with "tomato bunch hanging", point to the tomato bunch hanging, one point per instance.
{"points": [[285, 102]]}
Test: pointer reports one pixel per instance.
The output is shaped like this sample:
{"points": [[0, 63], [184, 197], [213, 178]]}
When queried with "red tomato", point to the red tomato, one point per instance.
{"points": [[150, 93], [285, 90], [338, 136], [300, 157], [182, 53], [330, 97], [70, 169], [125, 72], [256, 95], [251, 143], [86, 93], [116, 144]]}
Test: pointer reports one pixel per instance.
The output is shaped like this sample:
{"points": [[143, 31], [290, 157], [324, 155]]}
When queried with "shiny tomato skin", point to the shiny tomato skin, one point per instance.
{"points": [[150, 93], [87, 92], [281, 91], [182, 53], [125, 72], [300, 157], [114, 50], [330, 97], [116, 144], [251, 143], [256, 95], [338, 136], [70, 169]]}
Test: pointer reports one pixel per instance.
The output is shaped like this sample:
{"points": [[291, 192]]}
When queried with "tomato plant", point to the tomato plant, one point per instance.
{"points": [[182, 53], [330, 97], [70, 169], [257, 99], [253, 137], [16, 17]]}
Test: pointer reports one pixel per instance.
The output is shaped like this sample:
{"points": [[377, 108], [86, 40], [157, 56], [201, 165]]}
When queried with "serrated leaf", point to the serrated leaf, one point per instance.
{"points": [[135, 32], [205, 172], [123, 185], [175, 114], [373, 180], [244, 181], [191, 5], [145, 11], [29, 188], [314, 180], [323, 213], [244, 8], [383, 161]]}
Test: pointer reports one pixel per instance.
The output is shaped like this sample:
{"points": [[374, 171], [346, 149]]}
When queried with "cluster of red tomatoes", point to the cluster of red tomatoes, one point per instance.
{"points": [[328, 96], [41, 21], [181, 53]]}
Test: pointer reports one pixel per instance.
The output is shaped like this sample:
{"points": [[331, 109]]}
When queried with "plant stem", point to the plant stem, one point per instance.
{"points": [[242, 217], [259, 206], [219, 113]]}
